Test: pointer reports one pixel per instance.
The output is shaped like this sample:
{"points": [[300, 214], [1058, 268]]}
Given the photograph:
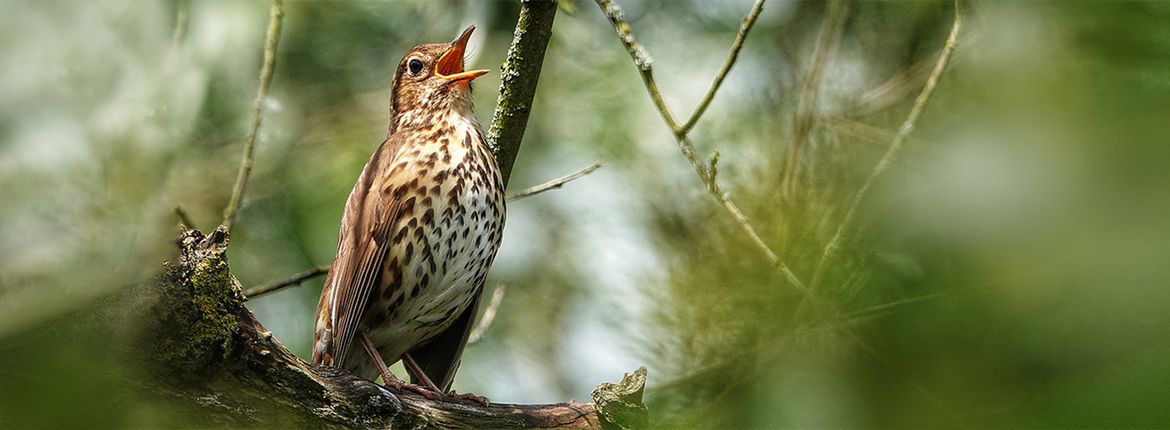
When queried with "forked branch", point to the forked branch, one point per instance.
{"points": [[706, 175]]}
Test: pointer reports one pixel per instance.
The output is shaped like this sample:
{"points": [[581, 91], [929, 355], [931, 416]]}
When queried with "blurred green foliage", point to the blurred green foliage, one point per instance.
{"points": [[1010, 270]]}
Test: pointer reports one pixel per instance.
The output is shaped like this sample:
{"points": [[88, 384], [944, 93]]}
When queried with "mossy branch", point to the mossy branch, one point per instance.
{"points": [[518, 77], [203, 347]]}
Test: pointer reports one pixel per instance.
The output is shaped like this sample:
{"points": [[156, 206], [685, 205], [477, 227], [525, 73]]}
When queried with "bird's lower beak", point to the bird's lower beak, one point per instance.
{"points": [[450, 65]]}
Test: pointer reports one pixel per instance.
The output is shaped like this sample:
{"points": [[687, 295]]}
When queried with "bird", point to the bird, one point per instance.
{"points": [[418, 233]]}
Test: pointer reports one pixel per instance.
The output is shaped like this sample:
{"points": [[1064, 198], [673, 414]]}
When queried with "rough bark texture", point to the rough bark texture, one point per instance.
{"points": [[518, 78], [208, 351]]}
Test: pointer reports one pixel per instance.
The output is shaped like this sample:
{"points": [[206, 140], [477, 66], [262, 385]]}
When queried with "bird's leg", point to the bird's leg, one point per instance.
{"points": [[416, 371], [388, 378], [385, 371]]}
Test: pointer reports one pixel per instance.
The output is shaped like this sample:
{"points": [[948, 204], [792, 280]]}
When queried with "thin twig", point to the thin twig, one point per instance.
{"points": [[748, 22], [885, 308], [184, 218], [645, 68], [893, 90], [863, 132], [878, 310], [555, 183], [644, 63], [295, 280], [728, 361], [806, 109], [809, 293], [903, 83], [895, 146], [489, 315], [274, 24]]}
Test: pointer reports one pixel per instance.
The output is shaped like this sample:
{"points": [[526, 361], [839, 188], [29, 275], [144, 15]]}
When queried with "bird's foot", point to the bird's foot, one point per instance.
{"points": [[468, 398], [397, 385]]}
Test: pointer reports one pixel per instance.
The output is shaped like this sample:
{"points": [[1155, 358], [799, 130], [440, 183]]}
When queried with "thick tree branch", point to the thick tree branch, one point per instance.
{"points": [[201, 343]]}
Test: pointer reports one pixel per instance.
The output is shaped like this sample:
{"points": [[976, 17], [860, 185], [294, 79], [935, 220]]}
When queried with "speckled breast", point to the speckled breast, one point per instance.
{"points": [[444, 240]]}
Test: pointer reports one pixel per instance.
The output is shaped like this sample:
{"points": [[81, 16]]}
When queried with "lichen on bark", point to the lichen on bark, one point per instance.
{"points": [[194, 324], [207, 353], [518, 77]]}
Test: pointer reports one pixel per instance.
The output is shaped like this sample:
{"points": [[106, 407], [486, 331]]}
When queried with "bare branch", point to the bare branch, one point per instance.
{"points": [[748, 22], [805, 111], [555, 183], [275, 20], [184, 218], [895, 89], [863, 132], [643, 61], [887, 308], [489, 315], [903, 83], [290, 282], [895, 146]]}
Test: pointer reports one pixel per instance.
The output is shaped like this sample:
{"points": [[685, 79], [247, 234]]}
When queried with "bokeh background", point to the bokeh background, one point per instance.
{"points": [[1011, 269]]}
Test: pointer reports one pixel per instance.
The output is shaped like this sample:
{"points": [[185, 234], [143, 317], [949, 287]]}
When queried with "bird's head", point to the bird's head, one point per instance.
{"points": [[430, 78]]}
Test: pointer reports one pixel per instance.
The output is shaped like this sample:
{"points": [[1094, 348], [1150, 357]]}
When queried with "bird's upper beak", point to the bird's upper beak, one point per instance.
{"points": [[450, 65]]}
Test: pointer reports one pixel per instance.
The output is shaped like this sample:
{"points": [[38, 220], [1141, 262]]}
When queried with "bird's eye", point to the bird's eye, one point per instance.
{"points": [[414, 65]]}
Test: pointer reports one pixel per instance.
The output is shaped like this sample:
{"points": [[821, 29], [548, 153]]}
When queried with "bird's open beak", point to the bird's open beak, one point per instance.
{"points": [[450, 65]]}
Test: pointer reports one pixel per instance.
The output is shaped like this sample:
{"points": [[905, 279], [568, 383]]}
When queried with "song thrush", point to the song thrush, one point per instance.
{"points": [[419, 231]]}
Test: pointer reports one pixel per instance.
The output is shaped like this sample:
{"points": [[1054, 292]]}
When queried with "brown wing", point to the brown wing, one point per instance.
{"points": [[440, 357], [361, 251]]}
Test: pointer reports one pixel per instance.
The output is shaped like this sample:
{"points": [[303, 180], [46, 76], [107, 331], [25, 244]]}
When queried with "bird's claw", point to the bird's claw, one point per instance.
{"points": [[400, 386], [468, 398]]}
